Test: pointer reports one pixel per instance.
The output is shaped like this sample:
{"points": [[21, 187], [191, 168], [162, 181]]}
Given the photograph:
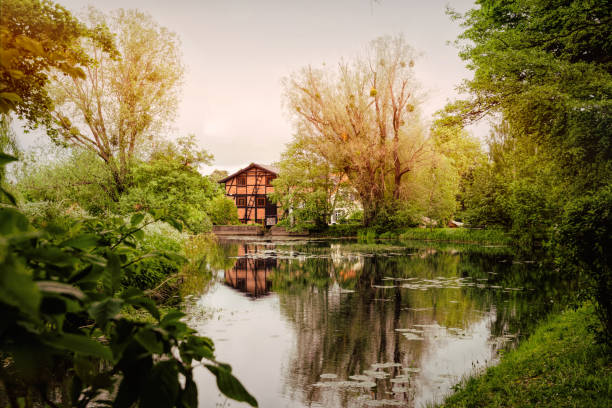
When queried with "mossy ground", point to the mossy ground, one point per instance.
{"points": [[560, 365]]}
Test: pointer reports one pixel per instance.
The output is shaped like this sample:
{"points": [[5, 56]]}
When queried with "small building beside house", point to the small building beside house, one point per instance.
{"points": [[249, 188]]}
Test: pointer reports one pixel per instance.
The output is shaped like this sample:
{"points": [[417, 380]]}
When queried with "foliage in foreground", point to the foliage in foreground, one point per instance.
{"points": [[62, 329], [560, 365]]}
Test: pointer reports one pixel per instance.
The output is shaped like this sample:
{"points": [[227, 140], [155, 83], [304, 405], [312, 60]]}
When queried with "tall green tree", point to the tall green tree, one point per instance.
{"points": [[169, 181], [360, 117], [545, 66], [121, 105], [307, 187]]}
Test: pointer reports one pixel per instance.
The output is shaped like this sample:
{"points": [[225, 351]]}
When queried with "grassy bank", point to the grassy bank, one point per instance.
{"points": [[459, 235], [560, 365], [454, 235]]}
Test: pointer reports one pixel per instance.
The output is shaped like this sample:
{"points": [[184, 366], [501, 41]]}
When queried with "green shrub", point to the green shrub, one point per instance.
{"points": [[42, 213], [355, 217], [75, 178], [584, 242], [168, 184], [222, 211], [162, 239]]}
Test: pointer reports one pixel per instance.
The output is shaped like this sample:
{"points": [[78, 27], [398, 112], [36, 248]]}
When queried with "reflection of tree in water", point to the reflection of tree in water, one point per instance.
{"points": [[251, 273], [344, 333], [345, 302], [206, 256]]}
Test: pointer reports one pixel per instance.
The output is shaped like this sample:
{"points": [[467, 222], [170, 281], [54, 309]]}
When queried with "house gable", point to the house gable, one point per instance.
{"points": [[249, 188]]}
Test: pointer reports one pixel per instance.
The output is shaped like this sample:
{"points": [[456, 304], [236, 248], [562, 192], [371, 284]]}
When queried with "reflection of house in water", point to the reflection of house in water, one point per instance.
{"points": [[251, 274], [346, 264]]}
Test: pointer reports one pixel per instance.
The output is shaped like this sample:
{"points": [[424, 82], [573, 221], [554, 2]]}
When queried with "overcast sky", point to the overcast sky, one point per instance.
{"points": [[237, 51]]}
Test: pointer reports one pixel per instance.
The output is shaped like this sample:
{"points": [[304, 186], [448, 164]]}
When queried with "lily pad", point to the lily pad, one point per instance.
{"points": [[385, 365], [384, 402], [376, 374], [360, 378], [328, 376], [412, 336]]}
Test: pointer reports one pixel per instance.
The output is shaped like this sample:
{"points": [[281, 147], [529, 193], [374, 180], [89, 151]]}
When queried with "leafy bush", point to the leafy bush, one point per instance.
{"points": [[77, 177], [583, 241], [222, 211], [406, 216], [41, 213], [162, 239], [355, 217], [61, 299], [168, 183]]}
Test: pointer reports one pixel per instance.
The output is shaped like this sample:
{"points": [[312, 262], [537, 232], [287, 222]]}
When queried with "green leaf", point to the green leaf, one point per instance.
{"points": [[113, 273], [83, 242], [60, 288], [229, 385], [13, 98], [139, 235], [105, 310], [30, 44], [79, 344], [135, 297], [17, 287], [8, 195], [172, 317], [162, 388], [175, 223], [150, 341], [136, 219], [12, 221], [6, 158], [189, 395], [197, 348]]}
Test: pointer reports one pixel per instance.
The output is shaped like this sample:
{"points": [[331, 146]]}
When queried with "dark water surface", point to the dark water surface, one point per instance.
{"points": [[347, 324]]}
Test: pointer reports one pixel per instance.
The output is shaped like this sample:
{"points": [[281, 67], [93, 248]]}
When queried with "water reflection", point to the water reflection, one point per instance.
{"points": [[251, 274], [352, 325]]}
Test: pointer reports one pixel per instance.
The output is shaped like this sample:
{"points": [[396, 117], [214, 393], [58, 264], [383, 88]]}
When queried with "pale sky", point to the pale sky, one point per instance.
{"points": [[237, 51]]}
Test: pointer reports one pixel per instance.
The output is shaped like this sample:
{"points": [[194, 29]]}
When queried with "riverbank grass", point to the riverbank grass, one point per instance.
{"points": [[458, 235], [449, 235], [560, 365]]}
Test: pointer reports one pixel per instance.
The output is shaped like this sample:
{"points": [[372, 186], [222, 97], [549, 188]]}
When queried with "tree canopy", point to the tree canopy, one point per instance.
{"points": [[120, 105], [37, 36], [546, 67], [359, 118]]}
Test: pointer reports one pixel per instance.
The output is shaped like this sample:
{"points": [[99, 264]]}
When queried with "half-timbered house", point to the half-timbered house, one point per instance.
{"points": [[249, 188]]}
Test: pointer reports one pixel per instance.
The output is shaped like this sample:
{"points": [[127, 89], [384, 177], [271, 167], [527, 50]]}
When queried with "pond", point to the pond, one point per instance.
{"points": [[336, 323]]}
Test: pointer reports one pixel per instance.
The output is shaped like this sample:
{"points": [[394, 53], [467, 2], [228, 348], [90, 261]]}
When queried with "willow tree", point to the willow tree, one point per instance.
{"points": [[126, 100], [360, 117]]}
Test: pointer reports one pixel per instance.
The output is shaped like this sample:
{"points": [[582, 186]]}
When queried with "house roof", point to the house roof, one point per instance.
{"points": [[265, 167]]}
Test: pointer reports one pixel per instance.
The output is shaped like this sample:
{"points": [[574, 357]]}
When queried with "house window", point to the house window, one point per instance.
{"points": [[241, 202], [241, 181], [269, 180], [261, 202]]}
